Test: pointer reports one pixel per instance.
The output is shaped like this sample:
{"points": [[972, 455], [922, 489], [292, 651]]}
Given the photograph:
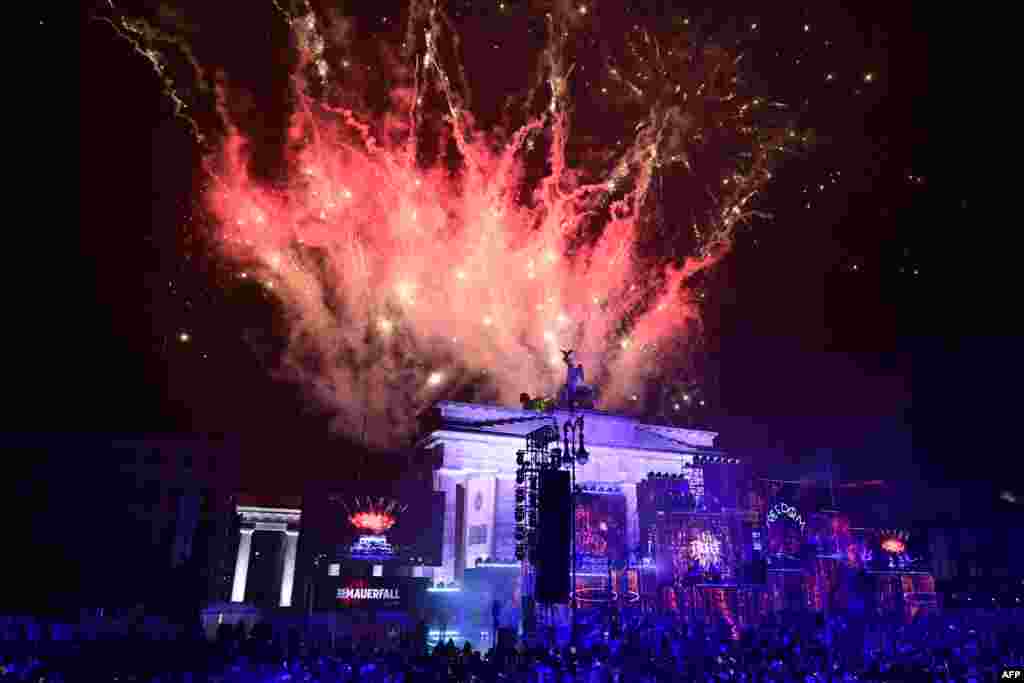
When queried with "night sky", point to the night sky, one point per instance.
{"points": [[843, 323]]}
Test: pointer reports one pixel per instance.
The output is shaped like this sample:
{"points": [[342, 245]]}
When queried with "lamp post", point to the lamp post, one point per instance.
{"points": [[574, 452]]}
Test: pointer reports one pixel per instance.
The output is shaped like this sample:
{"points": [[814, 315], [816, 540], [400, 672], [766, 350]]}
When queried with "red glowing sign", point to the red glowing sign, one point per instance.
{"points": [[377, 522], [376, 516], [893, 545]]}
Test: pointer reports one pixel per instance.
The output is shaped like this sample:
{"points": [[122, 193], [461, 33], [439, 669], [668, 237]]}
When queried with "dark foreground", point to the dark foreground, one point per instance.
{"points": [[939, 648]]}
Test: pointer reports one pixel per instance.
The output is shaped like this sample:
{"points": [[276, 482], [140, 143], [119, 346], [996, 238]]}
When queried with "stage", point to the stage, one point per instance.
{"points": [[664, 524]]}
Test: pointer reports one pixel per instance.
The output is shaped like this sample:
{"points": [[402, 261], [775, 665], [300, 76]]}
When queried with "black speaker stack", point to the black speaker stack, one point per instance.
{"points": [[554, 537]]}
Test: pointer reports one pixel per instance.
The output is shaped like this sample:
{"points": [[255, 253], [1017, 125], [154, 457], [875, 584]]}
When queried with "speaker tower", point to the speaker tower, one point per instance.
{"points": [[554, 539]]}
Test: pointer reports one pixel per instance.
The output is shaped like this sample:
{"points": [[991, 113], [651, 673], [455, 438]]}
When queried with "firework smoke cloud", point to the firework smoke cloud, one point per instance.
{"points": [[407, 277]]}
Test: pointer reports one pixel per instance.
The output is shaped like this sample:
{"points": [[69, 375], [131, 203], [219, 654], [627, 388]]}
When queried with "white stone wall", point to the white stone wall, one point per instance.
{"points": [[480, 490], [620, 455], [505, 520]]}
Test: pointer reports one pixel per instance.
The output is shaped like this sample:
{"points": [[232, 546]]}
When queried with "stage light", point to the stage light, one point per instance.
{"points": [[650, 475], [582, 456], [520, 477], [520, 458], [520, 496]]}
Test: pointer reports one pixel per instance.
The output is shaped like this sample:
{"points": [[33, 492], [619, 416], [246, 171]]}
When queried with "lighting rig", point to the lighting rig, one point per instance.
{"points": [[537, 457], [529, 464], [715, 460], [575, 453]]}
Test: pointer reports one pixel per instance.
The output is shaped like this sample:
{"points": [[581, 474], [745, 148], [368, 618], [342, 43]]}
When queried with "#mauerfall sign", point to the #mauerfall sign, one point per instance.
{"points": [[365, 593]]}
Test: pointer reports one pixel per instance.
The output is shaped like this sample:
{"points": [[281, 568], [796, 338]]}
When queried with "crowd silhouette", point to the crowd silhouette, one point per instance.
{"points": [[646, 649]]}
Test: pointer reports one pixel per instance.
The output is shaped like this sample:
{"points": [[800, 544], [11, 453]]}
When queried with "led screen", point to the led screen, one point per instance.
{"points": [[601, 526], [378, 523]]}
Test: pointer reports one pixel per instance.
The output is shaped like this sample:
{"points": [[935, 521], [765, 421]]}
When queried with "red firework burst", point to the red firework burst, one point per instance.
{"points": [[376, 516], [402, 279]]}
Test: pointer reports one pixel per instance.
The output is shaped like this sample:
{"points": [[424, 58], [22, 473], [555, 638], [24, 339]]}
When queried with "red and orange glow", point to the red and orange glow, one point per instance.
{"points": [[403, 279], [377, 522], [894, 546], [376, 516]]}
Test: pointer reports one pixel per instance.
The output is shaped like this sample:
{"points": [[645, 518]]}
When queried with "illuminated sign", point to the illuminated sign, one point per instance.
{"points": [[372, 548], [370, 593], [375, 515], [893, 545], [784, 510], [706, 550]]}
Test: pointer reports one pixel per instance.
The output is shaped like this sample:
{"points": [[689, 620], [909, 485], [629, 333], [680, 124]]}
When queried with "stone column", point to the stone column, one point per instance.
{"points": [[241, 565], [291, 544], [447, 484]]}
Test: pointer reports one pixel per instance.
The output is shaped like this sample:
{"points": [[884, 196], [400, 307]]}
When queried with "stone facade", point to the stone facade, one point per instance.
{"points": [[278, 520], [478, 444]]}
